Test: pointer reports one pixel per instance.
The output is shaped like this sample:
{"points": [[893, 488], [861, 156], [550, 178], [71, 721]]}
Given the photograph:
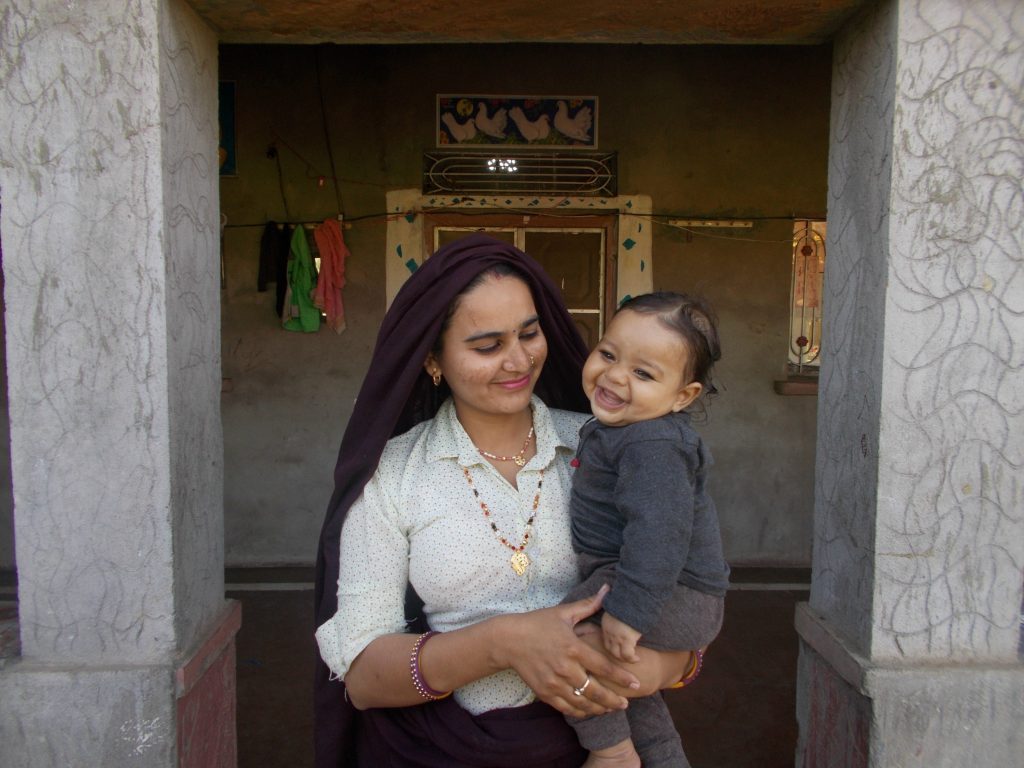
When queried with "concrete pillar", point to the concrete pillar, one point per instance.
{"points": [[108, 177], [909, 644]]}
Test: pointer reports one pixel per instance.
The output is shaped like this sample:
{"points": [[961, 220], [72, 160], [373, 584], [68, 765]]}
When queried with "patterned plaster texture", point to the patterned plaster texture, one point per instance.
{"points": [[919, 541], [103, 717], [188, 95], [107, 159], [849, 390], [853, 712]]}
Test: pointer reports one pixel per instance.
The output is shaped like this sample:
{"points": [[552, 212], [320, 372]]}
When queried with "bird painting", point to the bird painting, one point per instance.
{"points": [[575, 127], [460, 131], [547, 122], [493, 126], [531, 130]]}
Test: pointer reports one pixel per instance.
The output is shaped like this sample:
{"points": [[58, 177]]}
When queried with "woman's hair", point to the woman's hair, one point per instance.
{"points": [[693, 319]]}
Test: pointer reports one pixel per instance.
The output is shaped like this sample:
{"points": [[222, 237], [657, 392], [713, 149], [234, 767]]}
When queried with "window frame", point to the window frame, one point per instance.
{"points": [[523, 224], [408, 208], [802, 377]]}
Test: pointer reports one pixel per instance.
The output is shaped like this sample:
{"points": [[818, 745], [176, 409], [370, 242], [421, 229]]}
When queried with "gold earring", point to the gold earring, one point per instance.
{"points": [[533, 361], [436, 376]]}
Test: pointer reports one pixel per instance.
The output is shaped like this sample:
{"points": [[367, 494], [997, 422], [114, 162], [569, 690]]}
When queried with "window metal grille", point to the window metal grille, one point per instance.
{"points": [[806, 296], [520, 173]]}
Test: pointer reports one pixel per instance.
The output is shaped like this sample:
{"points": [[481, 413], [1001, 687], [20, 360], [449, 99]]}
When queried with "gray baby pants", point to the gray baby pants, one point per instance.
{"points": [[689, 620]]}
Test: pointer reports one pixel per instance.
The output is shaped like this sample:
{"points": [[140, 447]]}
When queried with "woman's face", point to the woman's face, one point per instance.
{"points": [[493, 350]]}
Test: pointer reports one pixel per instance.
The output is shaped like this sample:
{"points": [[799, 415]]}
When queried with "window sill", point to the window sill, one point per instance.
{"points": [[797, 385]]}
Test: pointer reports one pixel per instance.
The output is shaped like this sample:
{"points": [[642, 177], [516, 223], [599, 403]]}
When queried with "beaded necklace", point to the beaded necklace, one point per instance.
{"points": [[519, 561], [518, 458]]}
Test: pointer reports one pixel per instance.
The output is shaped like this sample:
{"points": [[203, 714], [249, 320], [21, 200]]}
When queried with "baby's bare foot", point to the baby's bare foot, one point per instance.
{"points": [[621, 755]]}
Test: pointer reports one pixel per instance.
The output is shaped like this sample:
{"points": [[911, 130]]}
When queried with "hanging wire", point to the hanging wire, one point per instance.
{"points": [[280, 179], [327, 132], [311, 170]]}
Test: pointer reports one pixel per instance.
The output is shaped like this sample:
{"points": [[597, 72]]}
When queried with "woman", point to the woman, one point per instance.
{"points": [[473, 475]]}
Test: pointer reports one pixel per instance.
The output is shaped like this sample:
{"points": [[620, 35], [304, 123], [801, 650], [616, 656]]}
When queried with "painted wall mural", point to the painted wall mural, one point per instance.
{"points": [[559, 122]]}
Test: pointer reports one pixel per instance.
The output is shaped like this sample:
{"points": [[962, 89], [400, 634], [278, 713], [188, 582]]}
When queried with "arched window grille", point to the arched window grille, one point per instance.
{"points": [[806, 296]]}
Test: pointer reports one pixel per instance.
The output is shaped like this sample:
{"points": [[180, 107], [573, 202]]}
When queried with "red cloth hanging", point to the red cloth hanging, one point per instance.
{"points": [[333, 253]]}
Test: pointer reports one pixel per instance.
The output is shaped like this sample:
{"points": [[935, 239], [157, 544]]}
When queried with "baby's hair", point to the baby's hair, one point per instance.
{"points": [[694, 320]]}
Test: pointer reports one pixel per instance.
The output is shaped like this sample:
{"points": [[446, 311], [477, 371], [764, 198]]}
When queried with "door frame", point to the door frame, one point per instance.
{"points": [[409, 209], [522, 223]]}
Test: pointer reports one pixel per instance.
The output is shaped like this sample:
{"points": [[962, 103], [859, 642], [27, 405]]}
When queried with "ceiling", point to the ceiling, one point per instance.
{"points": [[776, 22]]}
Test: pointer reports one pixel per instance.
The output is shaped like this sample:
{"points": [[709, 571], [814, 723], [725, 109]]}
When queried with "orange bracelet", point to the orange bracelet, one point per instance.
{"points": [[696, 665]]}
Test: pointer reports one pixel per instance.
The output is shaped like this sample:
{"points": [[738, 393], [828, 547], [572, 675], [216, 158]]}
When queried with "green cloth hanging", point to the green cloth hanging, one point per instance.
{"points": [[300, 313]]}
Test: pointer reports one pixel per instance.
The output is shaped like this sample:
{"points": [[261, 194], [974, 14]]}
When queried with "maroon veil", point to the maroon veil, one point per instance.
{"points": [[396, 395]]}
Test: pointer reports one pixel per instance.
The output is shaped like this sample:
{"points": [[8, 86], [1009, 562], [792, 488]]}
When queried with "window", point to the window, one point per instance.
{"points": [[574, 251], [805, 296], [805, 308], [561, 232]]}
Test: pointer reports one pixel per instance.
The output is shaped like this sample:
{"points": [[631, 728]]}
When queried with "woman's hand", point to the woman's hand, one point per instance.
{"points": [[542, 647]]}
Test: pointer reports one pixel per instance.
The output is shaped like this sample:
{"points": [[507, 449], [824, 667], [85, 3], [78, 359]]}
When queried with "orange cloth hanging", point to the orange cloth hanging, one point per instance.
{"points": [[333, 253]]}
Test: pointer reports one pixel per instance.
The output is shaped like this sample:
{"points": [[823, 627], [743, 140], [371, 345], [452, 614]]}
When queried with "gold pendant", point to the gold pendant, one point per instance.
{"points": [[519, 460], [519, 562]]}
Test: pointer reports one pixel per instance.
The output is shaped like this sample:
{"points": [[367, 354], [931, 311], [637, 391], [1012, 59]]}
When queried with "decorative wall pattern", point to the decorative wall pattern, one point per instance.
{"points": [[850, 388], [556, 122], [84, 293], [107, 156], [919, 539], [188, 91], [950, 534]]}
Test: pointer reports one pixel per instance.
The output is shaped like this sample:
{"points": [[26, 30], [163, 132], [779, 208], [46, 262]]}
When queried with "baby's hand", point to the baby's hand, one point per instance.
{"points": [[620, 639]]}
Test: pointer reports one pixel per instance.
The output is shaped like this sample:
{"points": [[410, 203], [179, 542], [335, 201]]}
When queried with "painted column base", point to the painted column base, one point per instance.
{"points": [[150, 716], [205, 690], [854, 713]]}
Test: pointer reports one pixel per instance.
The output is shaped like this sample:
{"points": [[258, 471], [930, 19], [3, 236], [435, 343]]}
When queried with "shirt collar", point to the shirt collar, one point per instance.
{"points": [[448, 440]]}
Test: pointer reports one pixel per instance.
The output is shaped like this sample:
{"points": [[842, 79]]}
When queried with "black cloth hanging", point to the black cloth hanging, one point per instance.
{"points": [[273, 264]]}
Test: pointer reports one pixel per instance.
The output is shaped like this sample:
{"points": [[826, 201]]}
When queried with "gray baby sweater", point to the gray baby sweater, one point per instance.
{"points": [[639, 496]]}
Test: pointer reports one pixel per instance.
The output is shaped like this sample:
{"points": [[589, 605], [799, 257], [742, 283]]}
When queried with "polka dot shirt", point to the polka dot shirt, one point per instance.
{"points": [[417, 520]]}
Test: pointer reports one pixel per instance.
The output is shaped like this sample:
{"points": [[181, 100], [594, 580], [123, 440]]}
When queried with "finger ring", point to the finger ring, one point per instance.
{"points": [[579, 691]]}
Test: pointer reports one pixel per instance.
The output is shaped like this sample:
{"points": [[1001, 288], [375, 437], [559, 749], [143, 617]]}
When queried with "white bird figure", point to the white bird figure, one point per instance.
{"points": [[534, 130], [494, 125], [459, 131], [575, 127]]}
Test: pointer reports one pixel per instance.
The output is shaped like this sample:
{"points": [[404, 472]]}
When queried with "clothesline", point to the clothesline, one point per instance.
{"points": [[283, 224]]}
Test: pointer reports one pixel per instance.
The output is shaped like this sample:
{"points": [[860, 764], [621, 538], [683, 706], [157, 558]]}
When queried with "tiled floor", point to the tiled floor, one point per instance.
{"points": [[739, 714]]}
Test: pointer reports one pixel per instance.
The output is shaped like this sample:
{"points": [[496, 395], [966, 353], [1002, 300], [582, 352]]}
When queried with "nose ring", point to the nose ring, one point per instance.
{"points": [[533, 362]]}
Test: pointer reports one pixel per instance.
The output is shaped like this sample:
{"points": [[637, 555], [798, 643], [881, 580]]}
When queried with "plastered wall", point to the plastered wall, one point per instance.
{"points": [[920, 450], [111, 343], [706, 132]]}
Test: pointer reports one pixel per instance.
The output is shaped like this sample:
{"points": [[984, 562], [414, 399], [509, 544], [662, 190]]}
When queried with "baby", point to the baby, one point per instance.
{"points": [[642, 520]]}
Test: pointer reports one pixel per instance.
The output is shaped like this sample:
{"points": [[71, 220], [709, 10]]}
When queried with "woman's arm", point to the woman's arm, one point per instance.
{"points": [[365, 643], [540, 646]]}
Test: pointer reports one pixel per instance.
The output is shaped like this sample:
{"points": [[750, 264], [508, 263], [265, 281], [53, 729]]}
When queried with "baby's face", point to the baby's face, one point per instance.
{"points": [[636, 372]]}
